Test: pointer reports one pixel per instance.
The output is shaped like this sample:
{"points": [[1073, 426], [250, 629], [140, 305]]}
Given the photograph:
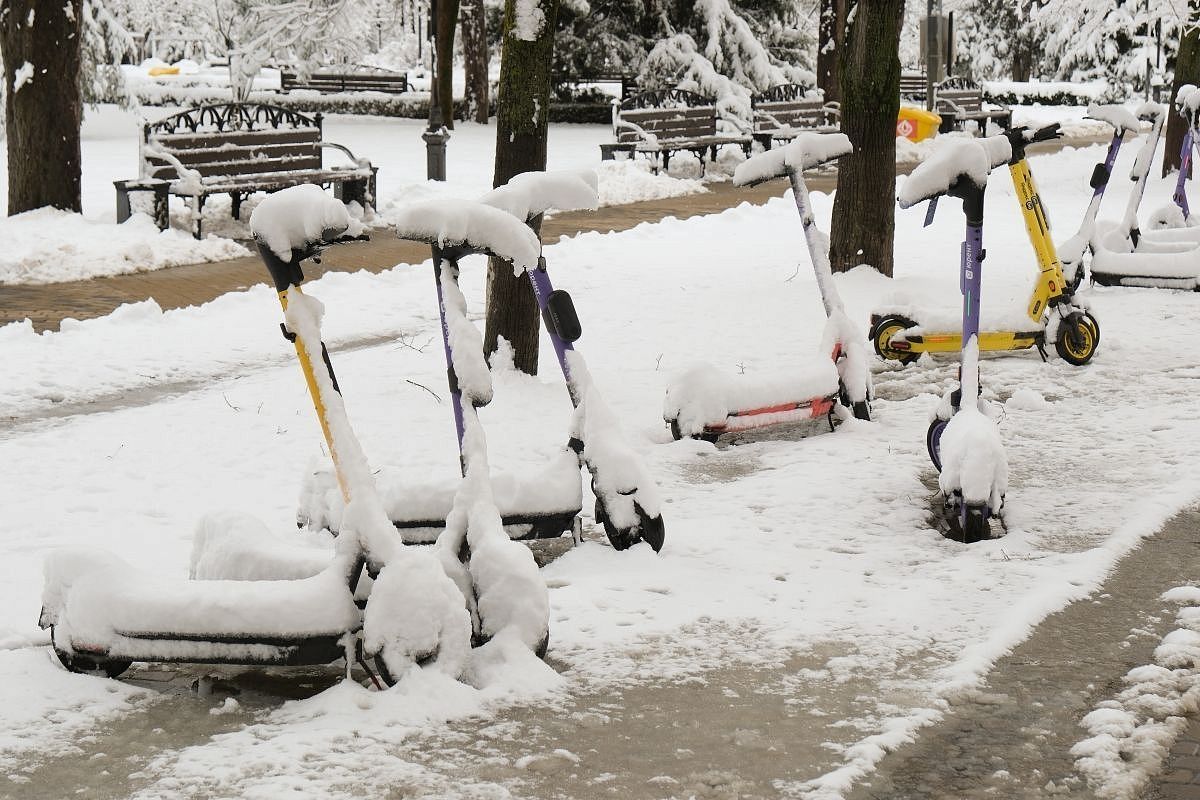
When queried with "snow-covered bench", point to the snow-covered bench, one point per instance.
{"points": [[242, 148], [663, 122], [348, 78], [960, 100], [783, 112], [913, 85]]}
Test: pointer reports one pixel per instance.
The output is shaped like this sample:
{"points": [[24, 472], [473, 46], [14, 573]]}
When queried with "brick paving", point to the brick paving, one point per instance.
{"points": [[1180, 778]]}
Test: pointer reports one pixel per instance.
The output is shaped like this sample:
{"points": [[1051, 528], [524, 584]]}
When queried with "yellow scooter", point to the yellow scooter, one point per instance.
{"points": [[1052, 311]]}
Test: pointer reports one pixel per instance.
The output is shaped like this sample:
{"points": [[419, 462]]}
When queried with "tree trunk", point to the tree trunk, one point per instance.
{"points": [[41, 49], [1187, 70], [447, 21], [831, 34], [864, 219], [475, 59], [521, 125]]}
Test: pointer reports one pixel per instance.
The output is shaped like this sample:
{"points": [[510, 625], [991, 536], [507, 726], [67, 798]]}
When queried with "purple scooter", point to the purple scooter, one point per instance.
{"points": [[964, 443], [627, 499]]}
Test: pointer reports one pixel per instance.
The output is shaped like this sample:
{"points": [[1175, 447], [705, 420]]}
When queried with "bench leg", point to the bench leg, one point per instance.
{"points": [[197, 214], [666, 161], [236, 200], [123, 211]]}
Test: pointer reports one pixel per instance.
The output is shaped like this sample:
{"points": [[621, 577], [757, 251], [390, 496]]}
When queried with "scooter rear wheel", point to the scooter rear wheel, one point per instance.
{"points": [[1078, 338], [704, 436], [88, 665], [882, 333]]}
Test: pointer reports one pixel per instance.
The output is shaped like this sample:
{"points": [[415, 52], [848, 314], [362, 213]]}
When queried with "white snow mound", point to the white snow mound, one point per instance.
{"points": [[449, 223], [293, 218], [806, 151]]}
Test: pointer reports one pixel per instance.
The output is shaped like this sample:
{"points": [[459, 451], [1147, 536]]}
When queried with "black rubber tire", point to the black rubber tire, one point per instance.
{"points": [[882, 333], [385, 674], [862, 410], [933, 435], [85, 665], [677, 434], [1078, 338], [975, 528], [652, 531]]}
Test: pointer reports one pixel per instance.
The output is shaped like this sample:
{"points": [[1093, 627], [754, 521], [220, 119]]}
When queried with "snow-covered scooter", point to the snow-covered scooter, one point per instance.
{"points": [[963, 440], [1053, 315], [374, 599], [704, 403], [628, 505], [1161, 257]]}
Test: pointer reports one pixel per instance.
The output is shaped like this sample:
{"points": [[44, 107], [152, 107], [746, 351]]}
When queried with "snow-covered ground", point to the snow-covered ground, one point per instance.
{"points": [[123, 430]]}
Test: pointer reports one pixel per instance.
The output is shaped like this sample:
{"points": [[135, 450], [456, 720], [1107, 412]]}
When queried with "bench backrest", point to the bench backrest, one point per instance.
{"points": [[967, 99], [962, 92], [789, 105], [329, 81], [231, 139], [666, 114], [912, 84]]}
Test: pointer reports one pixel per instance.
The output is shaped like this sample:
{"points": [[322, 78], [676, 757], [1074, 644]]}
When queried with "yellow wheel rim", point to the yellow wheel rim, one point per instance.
{"points": [[885, 336], [1086, 340]]}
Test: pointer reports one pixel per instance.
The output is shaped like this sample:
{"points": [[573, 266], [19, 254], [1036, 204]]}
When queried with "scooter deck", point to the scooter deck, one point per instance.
{"points": [[952, 342], [780, 414], [519, 527], [249, 651]]}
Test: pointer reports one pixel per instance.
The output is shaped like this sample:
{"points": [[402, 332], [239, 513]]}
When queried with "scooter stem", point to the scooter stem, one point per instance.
{"points": [[818, 245], [1185, 169], [451, 377]]}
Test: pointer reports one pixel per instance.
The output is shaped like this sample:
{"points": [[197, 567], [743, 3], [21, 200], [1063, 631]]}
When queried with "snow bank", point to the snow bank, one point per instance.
{"points": [[450, 223], [806, 151], [1132, 733], [631, 181], [48, 245], [298, 217]]}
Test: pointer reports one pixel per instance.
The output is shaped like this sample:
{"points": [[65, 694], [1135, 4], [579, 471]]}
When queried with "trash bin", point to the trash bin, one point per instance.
{"points": [[916, 123]]}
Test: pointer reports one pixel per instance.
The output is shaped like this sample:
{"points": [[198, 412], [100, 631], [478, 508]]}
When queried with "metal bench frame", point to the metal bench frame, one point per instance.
{"points": [[662, 122], [960, 100], [787, 110], [242, 148], [349, 79]]}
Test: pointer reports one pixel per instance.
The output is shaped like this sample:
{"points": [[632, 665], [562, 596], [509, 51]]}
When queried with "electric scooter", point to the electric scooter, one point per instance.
{"points": [[1169, 258], [1053, 313], [963, 440], [628, 505], [104, 614], [705, 403]]}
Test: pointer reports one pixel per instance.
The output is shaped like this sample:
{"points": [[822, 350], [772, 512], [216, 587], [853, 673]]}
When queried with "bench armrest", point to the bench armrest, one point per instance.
{"points": [[951, 106], [737, 122], [189, 181], [358, 162], [643, 134]]}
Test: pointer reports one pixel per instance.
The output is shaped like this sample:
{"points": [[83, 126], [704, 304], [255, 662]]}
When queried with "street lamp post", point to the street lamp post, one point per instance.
{"points": [[435, 134]]}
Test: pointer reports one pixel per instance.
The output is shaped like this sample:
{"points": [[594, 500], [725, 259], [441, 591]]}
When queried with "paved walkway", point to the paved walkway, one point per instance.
{"points": [[176, 287], [1180, 779]]}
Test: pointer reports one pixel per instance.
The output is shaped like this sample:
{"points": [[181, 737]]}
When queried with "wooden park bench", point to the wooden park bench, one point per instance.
{"points": [[960, 100], [783, 112], [913, 85], [238, 149], [349, 78], [626, 80], [666, 121]]}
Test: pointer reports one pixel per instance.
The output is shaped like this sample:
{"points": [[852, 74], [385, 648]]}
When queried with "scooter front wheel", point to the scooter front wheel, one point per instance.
{"points": [[970, 523], [933, 441], [882, 333], [1078, 338], [650, 530]]}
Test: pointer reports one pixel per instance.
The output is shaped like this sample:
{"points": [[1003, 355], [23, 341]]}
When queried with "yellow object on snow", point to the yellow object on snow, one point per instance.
{"points": [[916, 123], [154, 72]]}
